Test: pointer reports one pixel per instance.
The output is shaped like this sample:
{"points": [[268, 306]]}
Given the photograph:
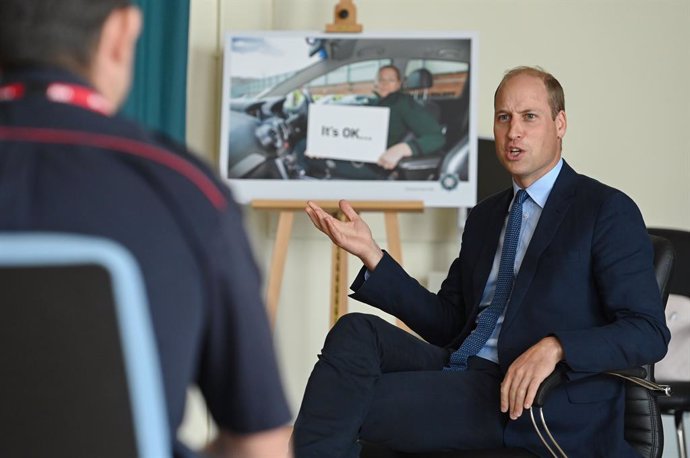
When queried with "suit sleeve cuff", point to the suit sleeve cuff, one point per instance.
{"points": [[374, 290]]}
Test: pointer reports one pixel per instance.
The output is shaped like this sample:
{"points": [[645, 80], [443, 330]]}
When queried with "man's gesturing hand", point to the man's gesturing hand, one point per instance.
{"points": [[353, 235], [519, 387]]}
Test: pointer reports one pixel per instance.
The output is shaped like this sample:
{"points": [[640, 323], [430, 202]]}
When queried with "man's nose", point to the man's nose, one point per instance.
{"points": [[515, 129]]}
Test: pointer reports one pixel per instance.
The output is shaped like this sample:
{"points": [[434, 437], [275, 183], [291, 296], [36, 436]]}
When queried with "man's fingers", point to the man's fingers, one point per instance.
{"points": [[517, 400], [319, 218], [526, 373], [505, 392], [347, 210], [531, 393], [318, 210], [514, 394], [314, 218], [333, 231], [520, 394], [514, 390], [314, 211]]}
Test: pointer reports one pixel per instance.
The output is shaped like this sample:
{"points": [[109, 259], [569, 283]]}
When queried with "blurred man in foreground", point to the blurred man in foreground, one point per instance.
{"points": [[67, 164]]}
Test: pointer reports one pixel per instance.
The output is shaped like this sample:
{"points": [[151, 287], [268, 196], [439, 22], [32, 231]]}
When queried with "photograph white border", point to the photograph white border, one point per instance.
{"points": [[432, 193]]}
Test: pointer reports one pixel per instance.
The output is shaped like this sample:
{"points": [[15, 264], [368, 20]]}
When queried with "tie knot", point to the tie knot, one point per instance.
{"points": [[521, 196]]}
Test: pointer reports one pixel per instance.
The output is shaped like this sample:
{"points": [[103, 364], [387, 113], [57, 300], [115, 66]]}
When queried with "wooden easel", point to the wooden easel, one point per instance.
{"points": [[344, 18], [344, 21], [339, 280]]}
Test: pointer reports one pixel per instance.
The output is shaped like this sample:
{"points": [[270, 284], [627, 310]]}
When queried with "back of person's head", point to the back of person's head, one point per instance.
{"points": [[60, 33], [553, 87]]}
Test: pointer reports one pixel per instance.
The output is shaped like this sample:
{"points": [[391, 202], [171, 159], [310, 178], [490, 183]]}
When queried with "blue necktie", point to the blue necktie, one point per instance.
{"points": [[504, 285]]}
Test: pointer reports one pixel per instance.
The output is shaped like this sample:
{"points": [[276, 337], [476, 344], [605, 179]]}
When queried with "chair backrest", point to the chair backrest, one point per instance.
{"points": [[643, 428], [419, 79], [665, 263], [675, 367], [680, 279], [418, 82], [78, 366]]}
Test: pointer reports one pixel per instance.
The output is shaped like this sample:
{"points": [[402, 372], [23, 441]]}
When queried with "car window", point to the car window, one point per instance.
{"points": [[449, 77], [351, 84]]}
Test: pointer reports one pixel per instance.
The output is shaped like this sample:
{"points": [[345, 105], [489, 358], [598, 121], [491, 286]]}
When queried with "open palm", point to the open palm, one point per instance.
{"points": [[352, 235]]}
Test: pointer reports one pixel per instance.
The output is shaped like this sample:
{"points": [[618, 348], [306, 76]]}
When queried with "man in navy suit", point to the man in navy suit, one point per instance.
{"points": [[582, 294]]}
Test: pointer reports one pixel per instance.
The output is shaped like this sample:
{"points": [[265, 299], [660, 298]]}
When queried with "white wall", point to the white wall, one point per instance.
{"points": [[625, 67]]}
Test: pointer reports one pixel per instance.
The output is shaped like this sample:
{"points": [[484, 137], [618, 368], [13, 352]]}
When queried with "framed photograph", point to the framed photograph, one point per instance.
{"points": [[308, 115]]}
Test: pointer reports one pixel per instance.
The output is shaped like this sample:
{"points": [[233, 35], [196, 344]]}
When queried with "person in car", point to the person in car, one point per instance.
{"points": [[406, 116], [412, 131]]}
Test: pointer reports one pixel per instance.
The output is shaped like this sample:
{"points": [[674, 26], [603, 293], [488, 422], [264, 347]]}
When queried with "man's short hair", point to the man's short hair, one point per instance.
{"points": [[390, 67], [52, 32], [553, 87]]}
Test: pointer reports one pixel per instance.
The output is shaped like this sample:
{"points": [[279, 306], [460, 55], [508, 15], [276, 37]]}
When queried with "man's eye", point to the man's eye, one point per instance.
{"points": [[502, 117], [530, 116]]}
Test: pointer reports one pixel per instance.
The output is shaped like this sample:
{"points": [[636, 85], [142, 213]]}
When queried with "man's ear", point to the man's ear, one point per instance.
{"points": [[561, 124], [119, 35], [113, 58]]}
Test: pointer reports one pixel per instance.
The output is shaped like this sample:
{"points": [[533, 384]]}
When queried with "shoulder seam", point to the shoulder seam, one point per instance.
{"points": [[122, 145]]}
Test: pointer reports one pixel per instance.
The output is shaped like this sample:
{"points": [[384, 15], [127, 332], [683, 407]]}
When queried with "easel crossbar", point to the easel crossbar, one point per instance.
{"points": [[286, 209], [331, 205]]}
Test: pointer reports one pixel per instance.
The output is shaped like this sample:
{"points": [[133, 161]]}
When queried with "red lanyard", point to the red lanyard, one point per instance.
{"points": [[71, 94]]}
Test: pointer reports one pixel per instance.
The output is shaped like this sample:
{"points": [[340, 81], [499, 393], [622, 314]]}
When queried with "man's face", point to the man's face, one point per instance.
{"points": [[528, 139], [387, 82]]}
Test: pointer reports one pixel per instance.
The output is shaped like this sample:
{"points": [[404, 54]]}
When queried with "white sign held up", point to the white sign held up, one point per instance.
{"points": [[351, 133]]}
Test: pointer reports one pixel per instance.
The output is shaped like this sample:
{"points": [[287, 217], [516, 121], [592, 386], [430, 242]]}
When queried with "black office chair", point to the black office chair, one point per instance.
{"points": [[79, 372], [679, 401], [643, 428]]}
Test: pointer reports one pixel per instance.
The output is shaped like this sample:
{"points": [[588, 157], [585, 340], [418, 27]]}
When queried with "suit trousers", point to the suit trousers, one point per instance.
{"points": [[376, 382]]}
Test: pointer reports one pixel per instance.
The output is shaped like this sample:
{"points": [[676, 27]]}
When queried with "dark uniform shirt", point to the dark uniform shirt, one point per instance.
{"points": [[408, 116], [79, 171]]}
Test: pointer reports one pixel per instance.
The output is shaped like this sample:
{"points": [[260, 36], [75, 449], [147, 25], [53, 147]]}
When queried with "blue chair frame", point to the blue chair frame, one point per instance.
{"points": [[134, 324]]}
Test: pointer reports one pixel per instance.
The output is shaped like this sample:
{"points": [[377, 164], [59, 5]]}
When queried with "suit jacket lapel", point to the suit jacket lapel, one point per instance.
{"points": [[551, 217]]}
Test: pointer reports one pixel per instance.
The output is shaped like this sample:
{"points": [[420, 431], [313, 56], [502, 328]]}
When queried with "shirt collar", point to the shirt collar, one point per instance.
{"points": [[42, 75], [539, 190]]}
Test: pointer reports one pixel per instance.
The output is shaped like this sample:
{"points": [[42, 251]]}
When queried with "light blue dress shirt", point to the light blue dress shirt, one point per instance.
{"points": [[531, 211]]}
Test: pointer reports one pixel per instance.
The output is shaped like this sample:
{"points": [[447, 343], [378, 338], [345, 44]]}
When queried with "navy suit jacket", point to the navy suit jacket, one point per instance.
{"points": [[587, 278]]}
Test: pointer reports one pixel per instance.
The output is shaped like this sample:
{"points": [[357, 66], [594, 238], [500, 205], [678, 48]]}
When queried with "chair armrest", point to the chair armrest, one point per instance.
{"points": [[635, 375], [635, 372], [555, 379], [638, 376]]}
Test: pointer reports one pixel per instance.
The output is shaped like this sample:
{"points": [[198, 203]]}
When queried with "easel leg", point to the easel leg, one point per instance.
{"points": [[394, 246], [275, 277], [393, 235], [338, 284], [339, 265]]}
